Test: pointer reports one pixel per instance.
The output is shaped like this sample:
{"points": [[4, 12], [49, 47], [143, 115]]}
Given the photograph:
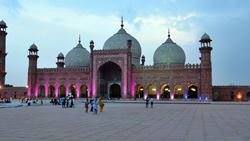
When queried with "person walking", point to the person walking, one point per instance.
{"points": [[91, 104], [151, 102], [95, 106], [147, 102], [87, 105], [101, 105]]}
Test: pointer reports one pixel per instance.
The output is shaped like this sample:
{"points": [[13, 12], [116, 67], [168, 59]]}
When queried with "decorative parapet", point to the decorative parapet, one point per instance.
{"points": [[111, 51], [54, 70], [169, 67]]}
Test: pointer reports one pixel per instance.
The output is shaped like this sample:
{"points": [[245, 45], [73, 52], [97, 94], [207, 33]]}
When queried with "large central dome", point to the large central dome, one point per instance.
{"points": [[169, 53], [119, 41], [77, 57]]}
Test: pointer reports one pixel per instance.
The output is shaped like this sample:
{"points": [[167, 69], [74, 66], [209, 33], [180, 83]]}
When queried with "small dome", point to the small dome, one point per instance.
{"points": [[169, 53], [60, 55], [119, 41], [77, 57], [3, 24], [205, 36], [33, 47]]}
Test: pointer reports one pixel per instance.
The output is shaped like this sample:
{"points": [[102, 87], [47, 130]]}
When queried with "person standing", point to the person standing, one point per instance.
{"points": [[87, 105]]}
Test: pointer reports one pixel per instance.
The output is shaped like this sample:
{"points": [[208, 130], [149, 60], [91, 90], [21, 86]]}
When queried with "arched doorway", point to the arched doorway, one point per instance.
{"points": [[51, 91], [115, 91], [84, 91], [193, 92], [139, 91], [73, 90], [41, 93], [109, 74], [151, 91], [178, 92], [62, 91], [165, 91], [248, 96]]}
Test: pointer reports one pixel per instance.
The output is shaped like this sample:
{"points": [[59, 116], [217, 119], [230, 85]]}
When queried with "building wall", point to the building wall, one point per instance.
{"points": [[231, 93], [66, 77], [14, 92]]}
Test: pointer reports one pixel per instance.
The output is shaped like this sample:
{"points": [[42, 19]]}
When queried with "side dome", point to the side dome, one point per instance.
{"points": [[77, 57], [169, 53], [119, 41]]}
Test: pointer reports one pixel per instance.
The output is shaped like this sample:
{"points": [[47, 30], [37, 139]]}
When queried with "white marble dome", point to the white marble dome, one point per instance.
{"points": [[119, 41], [169, 53], [77, 57]]}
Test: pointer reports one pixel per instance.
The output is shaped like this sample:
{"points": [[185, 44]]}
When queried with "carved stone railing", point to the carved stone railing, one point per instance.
{"points": [[168, 67]]}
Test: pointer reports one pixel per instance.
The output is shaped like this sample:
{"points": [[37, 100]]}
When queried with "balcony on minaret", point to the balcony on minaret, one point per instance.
{"points": [[60, 60], [33, 50]]}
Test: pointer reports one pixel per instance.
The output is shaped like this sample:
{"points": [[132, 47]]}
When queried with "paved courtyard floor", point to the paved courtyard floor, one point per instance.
{"points": [[127, 122]]}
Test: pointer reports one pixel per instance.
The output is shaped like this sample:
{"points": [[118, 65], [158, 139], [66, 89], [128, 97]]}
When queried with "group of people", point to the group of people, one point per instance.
{"points": [[66, 102], [28, 101], [94, 104], [151, 101]]}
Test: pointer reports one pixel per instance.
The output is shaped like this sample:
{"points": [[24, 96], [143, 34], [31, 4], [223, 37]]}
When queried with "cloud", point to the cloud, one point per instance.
{"points": [[55, 29]]}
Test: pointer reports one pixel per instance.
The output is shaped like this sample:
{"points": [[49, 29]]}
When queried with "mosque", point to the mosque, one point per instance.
{"points": [[118, 71]]}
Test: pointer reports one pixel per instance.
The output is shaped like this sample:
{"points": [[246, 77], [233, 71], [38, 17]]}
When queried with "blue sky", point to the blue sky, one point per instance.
{"points": [[55, 25]]}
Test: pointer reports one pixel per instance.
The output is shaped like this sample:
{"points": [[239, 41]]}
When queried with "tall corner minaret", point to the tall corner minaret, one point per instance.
{"points": [[3, 53], [60, 60], [32, 70], [206, 66]]}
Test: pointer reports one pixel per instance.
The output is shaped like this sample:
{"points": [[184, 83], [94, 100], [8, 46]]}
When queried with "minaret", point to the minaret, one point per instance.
{"points": [[206, 66], [32, 70], [91, 46], [142, 60], [3, 53], [60, 60]]}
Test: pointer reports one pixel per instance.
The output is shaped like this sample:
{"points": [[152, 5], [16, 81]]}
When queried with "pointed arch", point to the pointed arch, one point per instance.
{"points": [[178, 91], [83, 91], [73, 90], [151, 91], [62, 91], [165, 91], [51, 91], [41, 91], [192, 92], [139, 91]]}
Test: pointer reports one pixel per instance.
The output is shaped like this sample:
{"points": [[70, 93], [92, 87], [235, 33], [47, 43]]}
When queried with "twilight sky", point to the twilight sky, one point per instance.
{"points": [[54, 26]]}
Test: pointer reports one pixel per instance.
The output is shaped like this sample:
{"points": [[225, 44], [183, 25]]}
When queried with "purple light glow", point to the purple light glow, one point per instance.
{"points": [[67, 90], [46, 90], [172, 96], [57, 89], [78, 90], [132, 88], [94, 87], [36, 91], [158, 96], [88, 86]]}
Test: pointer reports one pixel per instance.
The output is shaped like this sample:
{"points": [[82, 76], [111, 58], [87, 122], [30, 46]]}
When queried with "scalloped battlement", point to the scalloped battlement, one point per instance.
{"points": [[75, 69], [113, 51]]}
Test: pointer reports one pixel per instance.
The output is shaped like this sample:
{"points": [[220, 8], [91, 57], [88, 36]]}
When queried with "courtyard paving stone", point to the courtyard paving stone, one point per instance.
{"points": [[127, 122]]}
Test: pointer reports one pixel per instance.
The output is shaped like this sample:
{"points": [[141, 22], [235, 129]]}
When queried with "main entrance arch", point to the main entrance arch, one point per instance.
{"points": [[110, 76]]}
